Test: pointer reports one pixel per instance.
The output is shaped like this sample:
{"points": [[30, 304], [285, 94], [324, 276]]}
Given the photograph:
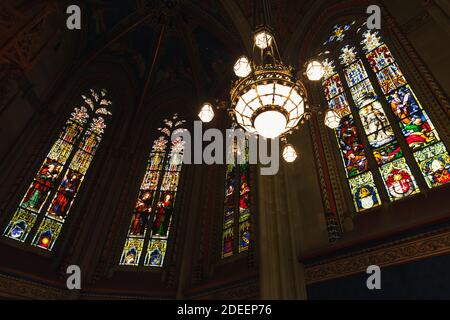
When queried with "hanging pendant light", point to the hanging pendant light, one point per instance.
{"points": [[332, 119], [314, 70], [242, 67], [263, 39], [206, 113], [289, 153]]}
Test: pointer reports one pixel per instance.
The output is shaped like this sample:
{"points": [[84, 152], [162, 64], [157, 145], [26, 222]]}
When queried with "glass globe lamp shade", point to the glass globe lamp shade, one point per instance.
{"points": [[206, 113], [242, 67], [270, 124], [268, 106], [289, 153], [315, 71], [332, 119], [263, 39]]}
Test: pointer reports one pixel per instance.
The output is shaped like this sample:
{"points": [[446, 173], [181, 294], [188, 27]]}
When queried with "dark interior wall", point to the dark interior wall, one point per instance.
{"points": [[26, 91], [426, 24], [425, 279]]}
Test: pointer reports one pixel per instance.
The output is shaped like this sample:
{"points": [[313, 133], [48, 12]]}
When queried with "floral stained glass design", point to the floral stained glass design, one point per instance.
{"points": [[149, 228], [348, 55], [328, 68], [339, 33], [55, 187]]}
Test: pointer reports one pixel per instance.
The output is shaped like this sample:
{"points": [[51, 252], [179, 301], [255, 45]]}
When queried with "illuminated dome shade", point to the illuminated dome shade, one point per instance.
{"points": [[268, 102], [270, 124]]}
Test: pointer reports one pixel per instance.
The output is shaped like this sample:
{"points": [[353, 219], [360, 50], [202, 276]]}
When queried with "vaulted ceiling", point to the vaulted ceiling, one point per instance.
{"points": [[167, 42], [190, 42], [172, 44]]}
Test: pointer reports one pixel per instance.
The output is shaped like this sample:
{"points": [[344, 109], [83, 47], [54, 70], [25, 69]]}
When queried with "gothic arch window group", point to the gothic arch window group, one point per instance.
{"points": [[149, 229], [389, 147]]}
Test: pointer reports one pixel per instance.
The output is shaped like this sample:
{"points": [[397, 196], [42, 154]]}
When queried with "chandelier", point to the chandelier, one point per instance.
{"points": [[267, 98]]}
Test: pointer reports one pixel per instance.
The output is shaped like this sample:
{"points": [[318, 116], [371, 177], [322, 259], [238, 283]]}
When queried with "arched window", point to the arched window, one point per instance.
{"points": [[148, 234], [387, 142], [237, 207], [50, 196]]}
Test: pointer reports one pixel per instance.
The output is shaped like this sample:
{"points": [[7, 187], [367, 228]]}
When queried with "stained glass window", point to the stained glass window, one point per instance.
{"points": [[382, 117], [150, 225], [422, 138], [348, 55], [375, 123], [237, 204], [339, 33], [333, 86], [355, 73], [364, 192], [48, 200], [434, 162], [228, 217], [398, 179]]}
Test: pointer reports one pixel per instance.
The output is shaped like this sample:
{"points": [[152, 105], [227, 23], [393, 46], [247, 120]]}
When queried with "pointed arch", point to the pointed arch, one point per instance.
{"points": [[388, 144], [150, 226], [46, 204]]}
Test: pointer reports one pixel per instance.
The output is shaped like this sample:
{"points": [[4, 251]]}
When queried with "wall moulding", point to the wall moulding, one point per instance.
{"points": [[395, 253]]}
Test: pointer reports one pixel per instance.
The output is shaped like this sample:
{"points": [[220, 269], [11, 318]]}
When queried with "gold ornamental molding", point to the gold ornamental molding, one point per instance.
{"points": [[14, 288], [393, 254]]}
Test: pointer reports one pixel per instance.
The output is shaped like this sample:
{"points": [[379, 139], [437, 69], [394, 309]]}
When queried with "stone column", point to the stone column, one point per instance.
{"points": [[291, 222]]}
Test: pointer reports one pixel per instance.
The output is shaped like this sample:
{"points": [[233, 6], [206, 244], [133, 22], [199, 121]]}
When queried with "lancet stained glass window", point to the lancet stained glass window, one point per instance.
{"points": [[48, 200], [237, 206], [378, 129], [421, 136], [149, 230], [364, 191], [375, 113]]}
